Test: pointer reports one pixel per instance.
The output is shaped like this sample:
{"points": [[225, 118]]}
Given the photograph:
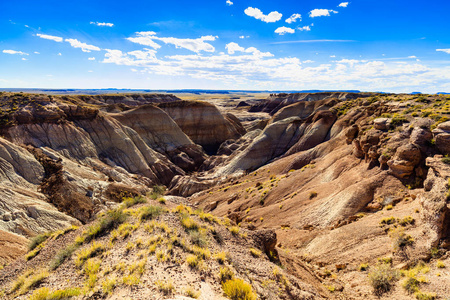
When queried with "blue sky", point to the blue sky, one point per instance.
{"points": [[392, 46]]}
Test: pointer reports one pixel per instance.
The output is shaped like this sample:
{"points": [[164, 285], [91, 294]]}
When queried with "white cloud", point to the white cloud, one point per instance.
{"points": [[50, 37], [23, 58], [133, 58], [195, 45], [229, 3], [244, 36], [308, 61], [233, 47], [444, 50], [90, 71], [83, 46], [321, 12], [294, 18], [91, 58], [332, 56], [304, 28], [35, 52], [343, 4], [145, 38], [256, 13], [102, 24], [59, 54], [412, 56], [283, 30], [14, 52]]}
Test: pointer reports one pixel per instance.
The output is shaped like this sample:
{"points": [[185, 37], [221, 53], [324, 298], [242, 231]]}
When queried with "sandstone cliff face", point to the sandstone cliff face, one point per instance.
{"points": [[162, 134], [203, 123], [277, 101], [24, 210]]}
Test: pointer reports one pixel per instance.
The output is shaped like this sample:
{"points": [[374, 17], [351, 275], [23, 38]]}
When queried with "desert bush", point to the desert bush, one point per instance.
{"points": [[167, 288], [38, 240], [411, 284], [425, 296], [225, 274], [237, 289], [131, 280], [406, 221], [401, 240], [150, 212], [158, 190], [190, 292], [201, 252], [33, 281], [312, 194], [382, 278], [193, 261], [108, 285], [62, 255], [198, 238], [130, 201], [94, 250], [221, 257], [255, 252], [363, 267], [189, 224], [440, 264], [388, 221], [110, 221], [234, 230]]}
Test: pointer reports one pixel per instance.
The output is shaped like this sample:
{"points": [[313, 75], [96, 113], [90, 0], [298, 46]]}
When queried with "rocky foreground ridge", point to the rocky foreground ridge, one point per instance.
{"points": [[349, 183]]}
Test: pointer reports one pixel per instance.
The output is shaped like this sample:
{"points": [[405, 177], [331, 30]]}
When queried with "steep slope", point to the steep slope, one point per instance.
{"points": [[203, 123], [151, 251]]}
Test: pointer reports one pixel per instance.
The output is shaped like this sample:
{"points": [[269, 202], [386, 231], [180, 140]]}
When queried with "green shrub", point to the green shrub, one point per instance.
{"points": [[425, 296], [225, 274], [382, 278], [237, 289], [411, 285], [255, 252], [107, 223], [150, 212], [166, 288], [198, 238], [128, 202], [38, 240], [62, 255]]}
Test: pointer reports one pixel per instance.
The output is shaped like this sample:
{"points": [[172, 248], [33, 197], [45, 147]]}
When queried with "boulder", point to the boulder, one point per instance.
{"points": [[381, 123], [442, 137], [406, 158]]}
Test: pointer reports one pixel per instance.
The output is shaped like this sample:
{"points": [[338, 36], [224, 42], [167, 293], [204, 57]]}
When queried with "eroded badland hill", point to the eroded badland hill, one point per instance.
{"points": [[289, 196]]}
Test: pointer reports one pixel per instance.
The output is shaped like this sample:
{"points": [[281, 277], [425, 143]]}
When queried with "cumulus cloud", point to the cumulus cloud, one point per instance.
{"points": [[102, 24], [83, 46], [229, 3], [50, 37], [318, 12], [14, 52], [145, 38], [256, 13], [304, 28], [134, 58], [283, 30], [233, 47], [35, 52], [23, 58], [91, 58], [148, 38], [244, 36], [294, 18], [343, 4], [444, 50]]}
